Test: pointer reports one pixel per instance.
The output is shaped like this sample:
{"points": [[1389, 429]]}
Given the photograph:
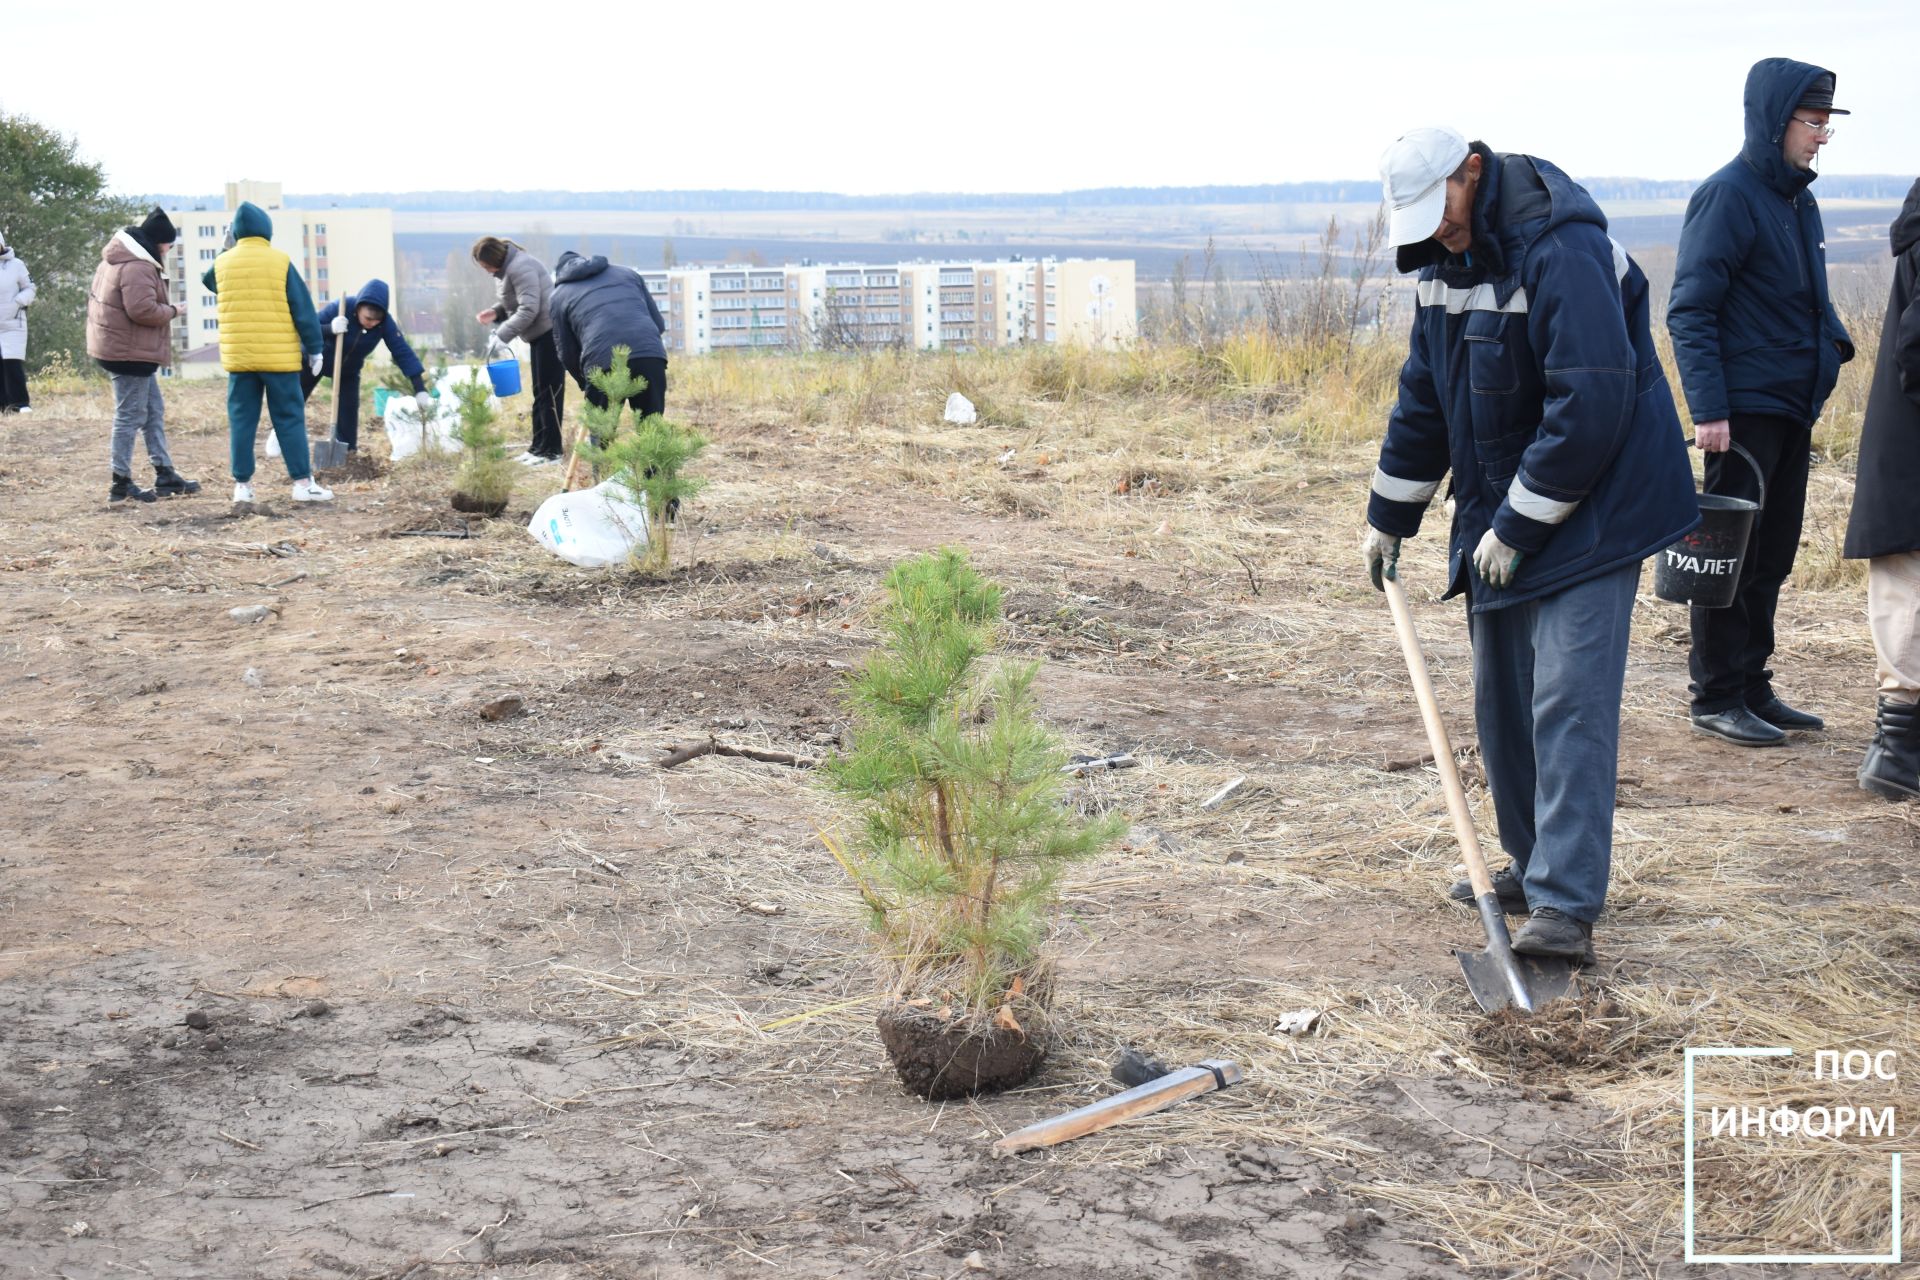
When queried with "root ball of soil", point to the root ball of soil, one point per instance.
{"points": [[939, 1058], [199, 1020], [463, 501]]}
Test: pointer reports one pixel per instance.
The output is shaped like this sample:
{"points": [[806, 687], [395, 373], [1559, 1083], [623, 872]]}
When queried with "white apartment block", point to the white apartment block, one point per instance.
{"points": [[335, 250], [926, 305]]}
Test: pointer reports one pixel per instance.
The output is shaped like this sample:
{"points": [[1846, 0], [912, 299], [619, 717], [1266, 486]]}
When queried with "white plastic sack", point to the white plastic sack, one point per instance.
{"points": [[405, 431], [593, 528], [960, 410]]}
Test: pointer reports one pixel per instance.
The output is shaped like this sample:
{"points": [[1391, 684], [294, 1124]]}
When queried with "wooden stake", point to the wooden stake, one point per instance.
{"points": [[1155, 1095]]}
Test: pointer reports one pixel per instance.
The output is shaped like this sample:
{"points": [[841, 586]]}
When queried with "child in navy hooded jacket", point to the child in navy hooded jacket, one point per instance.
{"points": [[369, 325]]}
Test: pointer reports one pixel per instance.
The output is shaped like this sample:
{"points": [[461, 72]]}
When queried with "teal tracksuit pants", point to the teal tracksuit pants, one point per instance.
{"points": [[286, 408]]}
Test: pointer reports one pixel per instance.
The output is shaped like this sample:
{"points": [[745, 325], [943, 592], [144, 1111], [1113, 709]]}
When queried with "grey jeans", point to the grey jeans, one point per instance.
{"points": [[137, 410], [1547, 676]]}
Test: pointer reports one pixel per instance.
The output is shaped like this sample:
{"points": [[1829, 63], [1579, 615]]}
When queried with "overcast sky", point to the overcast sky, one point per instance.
{"points": [[892, 95]]}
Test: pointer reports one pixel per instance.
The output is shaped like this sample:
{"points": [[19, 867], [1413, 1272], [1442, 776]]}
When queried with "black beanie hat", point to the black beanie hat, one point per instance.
{"points": [[158, 229]]}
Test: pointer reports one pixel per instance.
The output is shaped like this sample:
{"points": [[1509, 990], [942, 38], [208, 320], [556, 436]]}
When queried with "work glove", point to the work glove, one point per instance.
{"points": [[339, 325], [424, 399], [1382, 553], [314, 362], [1495, 561]]}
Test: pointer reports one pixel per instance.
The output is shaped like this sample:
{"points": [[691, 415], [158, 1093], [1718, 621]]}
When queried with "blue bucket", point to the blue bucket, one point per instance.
{"points": [[505, 376]]}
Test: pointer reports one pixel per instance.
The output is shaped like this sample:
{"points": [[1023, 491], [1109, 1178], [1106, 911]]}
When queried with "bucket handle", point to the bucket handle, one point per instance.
{"points": [[1758, 474]]}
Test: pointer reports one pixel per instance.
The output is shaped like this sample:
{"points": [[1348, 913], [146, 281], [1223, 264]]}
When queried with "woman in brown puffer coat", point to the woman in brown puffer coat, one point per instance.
{"points": [[129, 333]]}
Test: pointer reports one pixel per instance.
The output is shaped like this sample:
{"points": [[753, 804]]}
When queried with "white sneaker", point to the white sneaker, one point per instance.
{"points": [[310, 491], [528, 460], [24, 410], [243, 492], [544, 462]]}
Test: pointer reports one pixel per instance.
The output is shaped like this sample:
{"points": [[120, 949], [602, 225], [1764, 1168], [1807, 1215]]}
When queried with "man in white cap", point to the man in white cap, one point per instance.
{"points": [[1531, 377]]}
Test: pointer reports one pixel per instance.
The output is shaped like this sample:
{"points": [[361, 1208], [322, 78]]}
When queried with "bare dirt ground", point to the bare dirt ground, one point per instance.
{"points": [[505, 999]]}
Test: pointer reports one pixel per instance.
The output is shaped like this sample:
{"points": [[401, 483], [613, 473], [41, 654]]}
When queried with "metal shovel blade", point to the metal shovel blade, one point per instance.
{"points": [[327, 454], [1500, 976]]}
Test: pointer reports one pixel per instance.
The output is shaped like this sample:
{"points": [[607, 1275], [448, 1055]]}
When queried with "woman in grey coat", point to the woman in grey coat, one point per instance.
{"points": [[524, 310]]}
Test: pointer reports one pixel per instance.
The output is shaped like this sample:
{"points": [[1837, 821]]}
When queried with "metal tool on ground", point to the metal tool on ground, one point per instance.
{"points": [[1155, 1095], [332, 452], [1498, 977]]}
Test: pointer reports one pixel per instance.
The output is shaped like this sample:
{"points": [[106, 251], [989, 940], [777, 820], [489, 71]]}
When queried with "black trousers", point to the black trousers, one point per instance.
{"points": [[13, 385], [346, 396], [652, 398], [549, 397], [1731, 646]]}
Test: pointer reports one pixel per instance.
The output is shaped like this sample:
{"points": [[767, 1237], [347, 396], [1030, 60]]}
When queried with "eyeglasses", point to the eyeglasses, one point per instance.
{"points": [[1821, 131]]}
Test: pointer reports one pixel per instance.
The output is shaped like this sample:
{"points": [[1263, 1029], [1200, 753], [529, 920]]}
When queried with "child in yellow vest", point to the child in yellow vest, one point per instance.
{"points": [[267, 333]]}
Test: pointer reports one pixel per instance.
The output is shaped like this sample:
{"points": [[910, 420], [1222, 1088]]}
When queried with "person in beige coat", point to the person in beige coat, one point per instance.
{"points": [[129, 333]]}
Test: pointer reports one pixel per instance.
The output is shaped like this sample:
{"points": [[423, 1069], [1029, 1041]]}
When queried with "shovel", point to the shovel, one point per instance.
{"points": [[1497, 976], [332, 452]]}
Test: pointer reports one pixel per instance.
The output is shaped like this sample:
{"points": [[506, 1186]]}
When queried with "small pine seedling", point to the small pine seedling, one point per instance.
{"points": [[648, 459], [958, 782]]}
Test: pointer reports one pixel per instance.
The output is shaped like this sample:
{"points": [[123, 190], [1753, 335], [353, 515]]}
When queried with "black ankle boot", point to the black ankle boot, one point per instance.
{"points": [[1892, 766], [124, 488], [169, 483]]}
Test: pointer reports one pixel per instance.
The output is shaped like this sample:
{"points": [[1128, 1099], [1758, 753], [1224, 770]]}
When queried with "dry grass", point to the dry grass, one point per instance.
{"points": [[1734, 918]]}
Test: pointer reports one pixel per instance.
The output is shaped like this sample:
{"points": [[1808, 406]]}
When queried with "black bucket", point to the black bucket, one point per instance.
{"points": [[1703, 568]]}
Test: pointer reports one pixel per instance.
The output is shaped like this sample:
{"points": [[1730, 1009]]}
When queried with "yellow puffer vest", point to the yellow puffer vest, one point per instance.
{"points": [[256, 327]]}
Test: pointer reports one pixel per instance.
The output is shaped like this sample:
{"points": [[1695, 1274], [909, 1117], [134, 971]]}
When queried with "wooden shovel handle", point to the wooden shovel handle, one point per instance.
{"points": [[1437, 740], [340, 371], [573, 456]]}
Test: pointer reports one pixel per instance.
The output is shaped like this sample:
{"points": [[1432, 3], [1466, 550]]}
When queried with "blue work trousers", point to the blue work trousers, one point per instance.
{"points": [[287, 409], [1547, 675]]}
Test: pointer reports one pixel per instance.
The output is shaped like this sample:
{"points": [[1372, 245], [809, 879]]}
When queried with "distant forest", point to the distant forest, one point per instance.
{"points": [[1832, 186]]}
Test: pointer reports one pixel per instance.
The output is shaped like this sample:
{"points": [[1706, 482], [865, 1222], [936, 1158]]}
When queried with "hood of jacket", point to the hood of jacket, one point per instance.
{"points": [[127, 246], [572, 267], [375, 292], [1774, 88], [251, 220], [1906, 225]]}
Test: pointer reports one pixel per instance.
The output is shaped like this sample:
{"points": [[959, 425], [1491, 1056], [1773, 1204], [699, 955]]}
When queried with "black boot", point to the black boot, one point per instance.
{"points": [[124, 488], [1892, 766], [1552, 932], [169, 483], [1506, 887]]}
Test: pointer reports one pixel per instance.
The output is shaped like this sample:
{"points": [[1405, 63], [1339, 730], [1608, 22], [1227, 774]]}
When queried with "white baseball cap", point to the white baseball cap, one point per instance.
{"points": [[1414, 171]]}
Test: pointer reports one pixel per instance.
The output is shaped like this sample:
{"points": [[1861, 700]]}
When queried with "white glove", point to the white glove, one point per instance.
{"points": [[339, 325], [497, 347], [314, 362], [424, 399], [1382, 554], [1495, 561]]}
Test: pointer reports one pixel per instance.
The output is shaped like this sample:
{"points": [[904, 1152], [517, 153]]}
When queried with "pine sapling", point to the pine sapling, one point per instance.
{"points": [[964, 831], [486, 473], [647, 459]]}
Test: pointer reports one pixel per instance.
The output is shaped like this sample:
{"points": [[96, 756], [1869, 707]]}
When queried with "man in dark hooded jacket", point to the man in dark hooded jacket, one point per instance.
{"points": [[1759, 349], [371, 323], [597, 307], [1884, 529], [1531, 376]]}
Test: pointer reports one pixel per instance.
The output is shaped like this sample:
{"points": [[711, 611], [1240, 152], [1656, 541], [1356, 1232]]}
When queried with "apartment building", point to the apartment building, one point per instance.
{"points": [[928, 305], [335, 250]]}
